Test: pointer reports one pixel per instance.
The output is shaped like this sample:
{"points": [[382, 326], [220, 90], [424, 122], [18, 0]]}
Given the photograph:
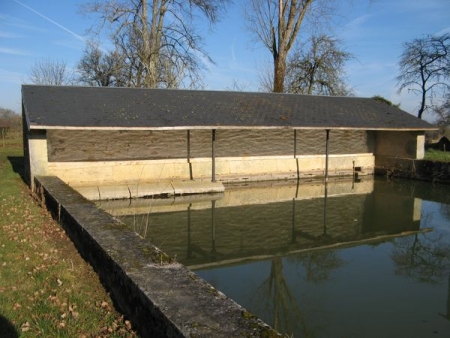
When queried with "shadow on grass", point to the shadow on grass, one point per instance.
{"points": [[17, 163], [7, 329]]}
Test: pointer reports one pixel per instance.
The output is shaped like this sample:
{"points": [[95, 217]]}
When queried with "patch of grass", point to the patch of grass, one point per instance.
{"points": [[46, 288], [437, 155]]}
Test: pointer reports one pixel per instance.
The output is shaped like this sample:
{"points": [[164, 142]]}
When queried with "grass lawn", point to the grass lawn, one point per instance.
{"points": [[437, 155], [46, 288]]}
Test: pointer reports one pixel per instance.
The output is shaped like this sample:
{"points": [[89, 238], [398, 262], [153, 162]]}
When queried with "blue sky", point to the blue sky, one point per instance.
{"points": [[372, 30]]}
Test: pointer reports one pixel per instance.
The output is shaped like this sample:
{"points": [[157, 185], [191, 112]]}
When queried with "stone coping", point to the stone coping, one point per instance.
{"points": [[162, 298]]}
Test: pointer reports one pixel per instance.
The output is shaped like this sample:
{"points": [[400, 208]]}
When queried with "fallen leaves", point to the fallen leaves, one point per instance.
{"points": [[25, 327], [49, 287]]}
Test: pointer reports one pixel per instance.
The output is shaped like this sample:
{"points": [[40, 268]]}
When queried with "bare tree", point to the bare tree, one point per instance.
{"points": [[6, 113], [317, 67], [98, 68], [276, 24], [50, 72], [443, 112], [239, 86], [425, 68], [157, 36]]}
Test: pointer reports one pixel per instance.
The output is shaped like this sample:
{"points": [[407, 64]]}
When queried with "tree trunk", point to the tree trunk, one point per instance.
{"points": [[279, 73], [3, 130], [422, 103]]}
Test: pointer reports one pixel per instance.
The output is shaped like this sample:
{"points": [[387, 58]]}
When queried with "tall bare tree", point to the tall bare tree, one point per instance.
{"points": [[98, 68], [157, 36], [425, 68], [317, 67], [50, 72], [276, 24]]}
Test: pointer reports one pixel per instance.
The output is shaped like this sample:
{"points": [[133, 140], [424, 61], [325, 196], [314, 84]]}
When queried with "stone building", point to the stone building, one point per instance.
{"points": [[128, 142]]}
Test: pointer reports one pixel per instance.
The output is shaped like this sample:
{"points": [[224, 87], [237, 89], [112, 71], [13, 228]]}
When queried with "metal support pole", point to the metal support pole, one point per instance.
{"points": [[191, 176], [295, 143], [293, 238], [189, 249], [213, 157], [189, 146], [213, 226], [326, 154], [325, 210]]}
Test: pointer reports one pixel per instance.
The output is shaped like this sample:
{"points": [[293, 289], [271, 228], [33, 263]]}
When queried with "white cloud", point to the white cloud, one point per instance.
{"points": [[8, 35], [10, 77], [11, 21], [64, 43], [444, 31], [13, 51]]}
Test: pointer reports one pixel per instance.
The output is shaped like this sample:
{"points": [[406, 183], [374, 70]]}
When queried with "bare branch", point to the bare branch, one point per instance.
{"points": [[157, 37], [425, 68], [50, 72]]}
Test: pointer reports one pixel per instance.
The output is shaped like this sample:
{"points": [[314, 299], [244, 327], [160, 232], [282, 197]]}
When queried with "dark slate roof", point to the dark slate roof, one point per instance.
{"points": [[49, 107]]}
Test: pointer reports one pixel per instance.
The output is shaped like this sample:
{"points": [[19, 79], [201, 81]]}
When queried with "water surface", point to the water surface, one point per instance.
{"points": [[346, 259]]}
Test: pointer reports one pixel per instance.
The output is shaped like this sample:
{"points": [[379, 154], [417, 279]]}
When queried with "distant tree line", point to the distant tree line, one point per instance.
{"points": [[9, 120]]}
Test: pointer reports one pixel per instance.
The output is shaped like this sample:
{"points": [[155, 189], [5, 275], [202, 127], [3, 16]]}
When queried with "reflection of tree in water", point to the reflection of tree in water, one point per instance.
{"points": [[423, 257], [447, 315], [280, 304], [445, 210], [318, 265]]}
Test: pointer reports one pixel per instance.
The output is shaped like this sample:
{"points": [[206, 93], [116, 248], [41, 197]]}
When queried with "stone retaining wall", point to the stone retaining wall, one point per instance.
{"points": [[415, 169]]}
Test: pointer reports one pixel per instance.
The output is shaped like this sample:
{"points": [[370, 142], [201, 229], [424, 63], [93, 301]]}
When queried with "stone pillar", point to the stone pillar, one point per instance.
{"points": [[37, 148], [420, 149]]}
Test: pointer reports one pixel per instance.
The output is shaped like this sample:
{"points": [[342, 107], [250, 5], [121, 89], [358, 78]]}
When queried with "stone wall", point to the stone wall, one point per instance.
{"points": [[99, 145], [415, 169], [400, 144]]}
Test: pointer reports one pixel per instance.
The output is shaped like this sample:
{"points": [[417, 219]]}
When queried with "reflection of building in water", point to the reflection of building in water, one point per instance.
{"points": [[259, 221]]}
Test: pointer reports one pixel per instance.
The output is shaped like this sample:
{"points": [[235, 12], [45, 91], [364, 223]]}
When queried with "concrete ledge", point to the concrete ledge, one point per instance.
{"points": [[161, 298], [147, 189]]}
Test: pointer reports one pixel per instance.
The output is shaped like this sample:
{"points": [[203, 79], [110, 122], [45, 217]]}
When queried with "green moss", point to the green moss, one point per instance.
{"points": [[161, 258], [256, 326]]}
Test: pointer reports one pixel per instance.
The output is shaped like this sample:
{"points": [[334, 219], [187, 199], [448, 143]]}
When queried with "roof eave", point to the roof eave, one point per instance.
{"points": [[219, 127]]}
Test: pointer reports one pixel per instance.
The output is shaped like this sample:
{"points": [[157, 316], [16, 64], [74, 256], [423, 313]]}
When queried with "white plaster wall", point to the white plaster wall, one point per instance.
{"points": [[227, 169], [37, 148]]}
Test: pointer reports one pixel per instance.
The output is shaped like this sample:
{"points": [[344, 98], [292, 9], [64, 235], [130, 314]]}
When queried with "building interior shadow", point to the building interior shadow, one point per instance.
{"points": [[7, 329], [17, 163]]}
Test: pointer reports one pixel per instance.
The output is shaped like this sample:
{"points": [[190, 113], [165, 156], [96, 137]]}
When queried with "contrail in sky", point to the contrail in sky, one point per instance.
{"points": [[79, 37]]}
